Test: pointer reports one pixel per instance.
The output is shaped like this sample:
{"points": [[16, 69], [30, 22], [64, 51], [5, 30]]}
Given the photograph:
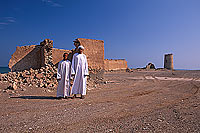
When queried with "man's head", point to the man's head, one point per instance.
{"points": [[65, 55], [80, 49], [76, 44]]}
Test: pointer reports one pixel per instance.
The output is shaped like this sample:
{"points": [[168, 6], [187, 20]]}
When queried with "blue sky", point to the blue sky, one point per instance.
{"points": [[140, 31]]}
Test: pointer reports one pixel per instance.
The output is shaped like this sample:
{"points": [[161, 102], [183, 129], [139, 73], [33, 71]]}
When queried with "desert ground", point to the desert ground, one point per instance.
{"points": [[139, 101]]}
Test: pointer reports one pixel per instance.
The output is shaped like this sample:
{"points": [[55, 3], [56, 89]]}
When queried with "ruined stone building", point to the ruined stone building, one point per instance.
{"points": [[150, 66], [168, 61], [37, 56]]}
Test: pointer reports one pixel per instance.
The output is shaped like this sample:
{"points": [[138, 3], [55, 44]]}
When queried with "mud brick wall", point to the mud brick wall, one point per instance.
{"points": [[58, 55], [117, 64], [26, 57], [94, 50], [33, 56]]}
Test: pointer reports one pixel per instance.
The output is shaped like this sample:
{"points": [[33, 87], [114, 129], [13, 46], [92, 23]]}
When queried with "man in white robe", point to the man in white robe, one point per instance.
{"points": [[63, 77], [79, 71]]}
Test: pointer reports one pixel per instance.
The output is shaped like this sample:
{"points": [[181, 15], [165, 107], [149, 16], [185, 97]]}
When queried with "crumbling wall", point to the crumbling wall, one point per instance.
{"points": [[117, 64], [25, 57], [46, 52], [33, 56]]}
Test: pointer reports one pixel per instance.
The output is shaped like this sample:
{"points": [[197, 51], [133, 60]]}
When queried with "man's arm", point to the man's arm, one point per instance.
{"points": [[73, 66], [70, 76], [59, 71], [86, 67]]}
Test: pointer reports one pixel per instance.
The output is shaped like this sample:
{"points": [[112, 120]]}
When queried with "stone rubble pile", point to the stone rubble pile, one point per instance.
{"points": [[45, 77], [129, 70]]}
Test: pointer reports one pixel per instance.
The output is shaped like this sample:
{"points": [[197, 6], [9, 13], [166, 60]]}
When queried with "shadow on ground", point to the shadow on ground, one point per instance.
{"points": [[36, 97]]}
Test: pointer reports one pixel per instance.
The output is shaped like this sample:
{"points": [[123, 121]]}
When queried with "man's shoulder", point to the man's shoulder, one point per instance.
{"points": [[84, 55], [60, 61], [66, 61], [78, 55], [75, 54]]}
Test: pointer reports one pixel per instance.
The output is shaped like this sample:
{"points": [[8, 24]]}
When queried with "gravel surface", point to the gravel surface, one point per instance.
{"points": [[124, 104]]}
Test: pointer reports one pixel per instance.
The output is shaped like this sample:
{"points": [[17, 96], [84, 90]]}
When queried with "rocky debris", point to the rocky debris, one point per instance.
{"points": [[14, 86], [95, 78], [129, 70], [11, 88], [96, 74], [94, 83], [118, 70], [43, 78], [121, 70]]}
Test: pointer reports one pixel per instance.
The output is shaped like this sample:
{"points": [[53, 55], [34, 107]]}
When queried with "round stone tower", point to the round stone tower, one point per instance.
{"points": [[168, 62]]}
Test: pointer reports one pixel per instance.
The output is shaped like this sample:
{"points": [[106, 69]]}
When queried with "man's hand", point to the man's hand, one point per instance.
{"points": [[71, 82], [72, 76]]}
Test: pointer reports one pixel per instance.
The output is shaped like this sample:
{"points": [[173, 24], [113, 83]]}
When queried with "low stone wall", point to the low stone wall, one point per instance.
{"points": [[117, 64]]}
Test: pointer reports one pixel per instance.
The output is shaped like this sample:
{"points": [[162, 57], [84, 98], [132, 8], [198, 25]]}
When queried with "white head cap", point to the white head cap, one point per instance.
{"points": [[80, 47]]}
